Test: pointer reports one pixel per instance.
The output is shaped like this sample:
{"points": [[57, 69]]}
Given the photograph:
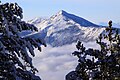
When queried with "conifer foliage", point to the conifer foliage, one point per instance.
{"points": [[104, 63], [15, 62]]}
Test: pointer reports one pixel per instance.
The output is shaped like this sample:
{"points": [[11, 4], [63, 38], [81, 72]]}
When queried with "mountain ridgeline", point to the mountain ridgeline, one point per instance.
{"points": [[65, 28]]}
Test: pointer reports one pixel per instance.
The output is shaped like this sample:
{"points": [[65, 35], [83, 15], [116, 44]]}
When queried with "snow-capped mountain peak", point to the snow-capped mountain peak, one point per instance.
{"points": [[62, 12], [67, 16], [58, 16], [65, 28]]}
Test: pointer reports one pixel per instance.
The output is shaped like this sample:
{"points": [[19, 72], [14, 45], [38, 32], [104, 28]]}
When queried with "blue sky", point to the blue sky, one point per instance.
{"points": [[93, 10]]}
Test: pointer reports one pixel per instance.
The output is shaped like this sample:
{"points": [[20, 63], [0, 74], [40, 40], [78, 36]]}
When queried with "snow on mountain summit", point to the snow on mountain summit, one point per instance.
{"points": [[65, 28], [75, 18]]}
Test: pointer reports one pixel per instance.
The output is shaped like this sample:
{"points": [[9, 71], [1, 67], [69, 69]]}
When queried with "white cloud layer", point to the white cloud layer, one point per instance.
{"points": [[55, 63]]}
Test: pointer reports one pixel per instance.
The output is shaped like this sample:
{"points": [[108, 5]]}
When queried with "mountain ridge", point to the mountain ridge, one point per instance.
{"points": [[77, 19], [65, 28]]}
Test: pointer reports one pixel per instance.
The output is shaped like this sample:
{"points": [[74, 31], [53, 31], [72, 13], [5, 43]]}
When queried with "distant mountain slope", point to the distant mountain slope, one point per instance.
{"points": [[64, 28], [36, 20]]}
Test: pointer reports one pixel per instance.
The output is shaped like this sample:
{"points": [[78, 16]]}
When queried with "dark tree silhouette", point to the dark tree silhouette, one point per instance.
{"points": [[104, 63], [15, 62]]}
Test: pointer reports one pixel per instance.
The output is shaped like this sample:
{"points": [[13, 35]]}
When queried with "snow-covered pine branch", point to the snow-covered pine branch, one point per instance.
{"points": [[13, 47]]}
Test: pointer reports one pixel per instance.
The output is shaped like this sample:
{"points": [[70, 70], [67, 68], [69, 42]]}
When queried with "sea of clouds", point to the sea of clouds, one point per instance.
{"points": [[55, 63]]}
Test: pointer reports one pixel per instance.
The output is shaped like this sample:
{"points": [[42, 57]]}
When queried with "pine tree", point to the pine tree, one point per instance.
{"points": [[15, 62], [104, 63]]}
